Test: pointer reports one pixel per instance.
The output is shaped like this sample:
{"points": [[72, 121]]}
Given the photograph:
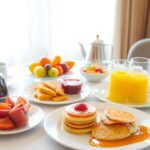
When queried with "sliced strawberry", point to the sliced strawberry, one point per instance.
{"points": [[4, 113], [4, 106], [6, 124], [18, 116], [21, 100], [9, 101], [17, 106]]}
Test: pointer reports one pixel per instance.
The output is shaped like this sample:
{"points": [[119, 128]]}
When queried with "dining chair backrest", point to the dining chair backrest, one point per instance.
{"points": [[140, 49]]}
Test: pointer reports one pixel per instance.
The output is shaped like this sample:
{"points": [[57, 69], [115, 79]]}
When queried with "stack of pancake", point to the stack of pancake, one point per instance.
{"points": [[79, 122], [114, 125]]}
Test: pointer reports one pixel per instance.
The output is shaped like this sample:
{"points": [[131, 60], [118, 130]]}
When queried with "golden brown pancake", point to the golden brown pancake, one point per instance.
{"points": [[119, 115], [76, 130], [71, 110], [80, 119], [110, 132], [106, 120], [79, 122], [79, 126]]}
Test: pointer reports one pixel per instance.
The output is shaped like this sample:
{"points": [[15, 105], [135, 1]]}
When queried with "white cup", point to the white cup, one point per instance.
{"points": [[3, 69]]}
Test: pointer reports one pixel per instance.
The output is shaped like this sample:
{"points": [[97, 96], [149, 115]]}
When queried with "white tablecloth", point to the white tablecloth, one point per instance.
{"points": [[35, 138]]}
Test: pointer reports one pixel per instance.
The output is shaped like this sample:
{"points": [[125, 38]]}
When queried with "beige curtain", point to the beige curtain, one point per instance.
{"points": [[132, 24]]}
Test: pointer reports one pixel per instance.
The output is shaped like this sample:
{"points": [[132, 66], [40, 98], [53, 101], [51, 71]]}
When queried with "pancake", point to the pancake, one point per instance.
{"points": [[79, 126], [79, 123], [106, 120], [71, 110], [76, 130], [110, 132], [79, 119], [119, 115]]}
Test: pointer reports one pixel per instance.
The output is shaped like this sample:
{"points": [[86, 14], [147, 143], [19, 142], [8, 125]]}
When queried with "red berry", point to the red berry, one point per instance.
{"points": [[64, 67], [81, 107], [99, 70]]}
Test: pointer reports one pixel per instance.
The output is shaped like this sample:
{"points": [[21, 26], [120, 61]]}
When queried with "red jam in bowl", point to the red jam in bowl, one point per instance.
{"points": [[72, 86]]}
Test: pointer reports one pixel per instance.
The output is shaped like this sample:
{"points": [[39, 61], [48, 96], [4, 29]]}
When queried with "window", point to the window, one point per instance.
{"points": [[32, 28], [74, 21]]}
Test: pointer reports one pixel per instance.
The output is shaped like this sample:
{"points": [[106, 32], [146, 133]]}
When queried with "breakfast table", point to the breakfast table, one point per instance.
{"points": [[37, 138]]}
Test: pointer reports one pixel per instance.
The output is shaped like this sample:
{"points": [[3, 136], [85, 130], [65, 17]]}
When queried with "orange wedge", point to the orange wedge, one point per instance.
{"points": [[56, 61], [21, 100], [70, 64]]}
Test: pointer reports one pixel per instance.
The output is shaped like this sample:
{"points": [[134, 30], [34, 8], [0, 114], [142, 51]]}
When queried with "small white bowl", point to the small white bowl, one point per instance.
{"points": [[94, 77]]}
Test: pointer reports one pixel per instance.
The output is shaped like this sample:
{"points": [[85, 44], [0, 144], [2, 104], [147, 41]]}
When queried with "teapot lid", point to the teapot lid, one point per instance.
{"points": [[97, 41]]}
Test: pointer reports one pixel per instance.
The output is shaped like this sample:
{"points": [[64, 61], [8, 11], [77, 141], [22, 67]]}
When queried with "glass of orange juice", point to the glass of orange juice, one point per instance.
{"points": [[139, 80], [118, 83], [129, 82]]}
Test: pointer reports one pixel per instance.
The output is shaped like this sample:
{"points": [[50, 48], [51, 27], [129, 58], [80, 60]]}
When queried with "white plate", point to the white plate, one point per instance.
{"points": [[29, 90], [102, 91], [35, 117], [52, 126]]}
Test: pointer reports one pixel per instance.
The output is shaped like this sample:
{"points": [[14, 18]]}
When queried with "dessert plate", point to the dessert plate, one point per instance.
{"points": [[52, 126], [102, 91], [29, 94], [35, 117]]}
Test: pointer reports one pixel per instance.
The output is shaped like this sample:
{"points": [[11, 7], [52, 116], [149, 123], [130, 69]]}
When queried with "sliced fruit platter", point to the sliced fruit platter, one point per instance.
{"points": [[94, 69], [46, 67], [13, 114]]}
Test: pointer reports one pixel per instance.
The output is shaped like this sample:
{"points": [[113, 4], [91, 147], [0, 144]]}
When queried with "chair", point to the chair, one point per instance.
{"points": [[140, 49]]}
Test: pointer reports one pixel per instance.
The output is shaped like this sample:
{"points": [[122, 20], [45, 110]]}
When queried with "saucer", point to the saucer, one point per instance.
{"points": [[102, 91]]}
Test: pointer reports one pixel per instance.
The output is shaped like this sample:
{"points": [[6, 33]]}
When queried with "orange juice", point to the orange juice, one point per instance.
{"points": [[138, 88], [128, 87], [118, 87]]}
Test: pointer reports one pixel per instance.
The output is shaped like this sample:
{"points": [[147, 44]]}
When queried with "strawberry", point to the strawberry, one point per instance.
{"points": [[99, 70], [6, 124], [9, 101], [18, 116], [81, 107]]}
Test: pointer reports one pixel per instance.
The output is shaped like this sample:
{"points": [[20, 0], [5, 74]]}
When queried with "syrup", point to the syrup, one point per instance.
{"points": [[141, 135]]}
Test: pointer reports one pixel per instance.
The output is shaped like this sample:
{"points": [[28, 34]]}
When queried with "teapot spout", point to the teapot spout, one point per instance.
{"points": [[82, 49]]}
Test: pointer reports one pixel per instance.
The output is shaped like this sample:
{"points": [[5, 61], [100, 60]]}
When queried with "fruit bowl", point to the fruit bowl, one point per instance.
{"points": [[94, 76], [46, 67]]}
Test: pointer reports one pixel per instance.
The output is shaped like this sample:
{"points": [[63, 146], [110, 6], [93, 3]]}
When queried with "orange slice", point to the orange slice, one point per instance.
{"points": [[56, 61], [70, 64]]}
